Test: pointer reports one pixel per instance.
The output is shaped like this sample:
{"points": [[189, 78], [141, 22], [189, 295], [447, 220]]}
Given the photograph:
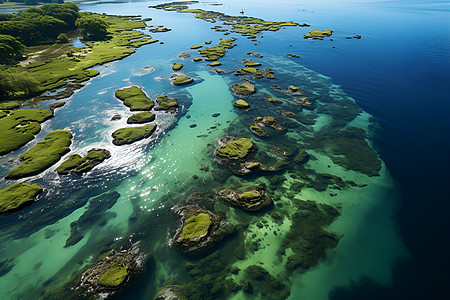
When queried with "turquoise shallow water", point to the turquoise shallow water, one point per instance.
{"points": [[153, 175]]}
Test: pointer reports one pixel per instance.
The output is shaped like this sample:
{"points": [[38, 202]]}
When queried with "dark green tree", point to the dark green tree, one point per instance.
{"points": [[92, 26], [10, 48]]}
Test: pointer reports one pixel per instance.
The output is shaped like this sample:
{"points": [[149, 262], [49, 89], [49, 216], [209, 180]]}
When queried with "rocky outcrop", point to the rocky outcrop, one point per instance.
{"points": [[112, 273], [200, 229], [252, 199], [243, 89], [233, 148]]}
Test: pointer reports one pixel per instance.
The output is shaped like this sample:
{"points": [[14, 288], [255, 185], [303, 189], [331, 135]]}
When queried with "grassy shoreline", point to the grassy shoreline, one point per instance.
{"points": [[68, 65]]}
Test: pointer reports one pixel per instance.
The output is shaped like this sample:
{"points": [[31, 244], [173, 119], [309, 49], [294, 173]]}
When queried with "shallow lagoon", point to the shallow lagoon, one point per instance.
{"points": [[151, 177]]}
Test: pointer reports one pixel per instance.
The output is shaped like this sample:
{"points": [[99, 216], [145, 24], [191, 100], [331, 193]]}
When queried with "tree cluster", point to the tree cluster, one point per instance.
{"points": [[40, 25]]}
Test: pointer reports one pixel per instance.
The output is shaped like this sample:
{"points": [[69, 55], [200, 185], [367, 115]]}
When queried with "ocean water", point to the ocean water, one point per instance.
{"points": [[393, 228]]}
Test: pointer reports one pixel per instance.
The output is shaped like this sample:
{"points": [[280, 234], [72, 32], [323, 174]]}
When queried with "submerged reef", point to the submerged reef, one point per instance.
{"points": [[17, 196], [200, 229], [253, 198], [348, 148], [42, 155], [95, 214], [135, 98], [130, 135], [79, 165], [307, 239], [208, 279], [259, 281]]}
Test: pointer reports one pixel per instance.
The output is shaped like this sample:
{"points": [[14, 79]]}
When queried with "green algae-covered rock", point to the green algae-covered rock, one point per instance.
{"points": [[252, 199], [19, 127], [141, 118], [18, 195], [177, 66], [197, 59], [166, 103], [252, 71], [243, 89], [115, 275], [215, 64], [241, 104], [182, 80], [218, 51], [42, 155], [135, 98], [196, 47], [274, 101], [69, 164], [318, 34], [200, 229], [132, 134], [110, 274], [79, 165], [249, 63], [196, 227], [235, 148]]}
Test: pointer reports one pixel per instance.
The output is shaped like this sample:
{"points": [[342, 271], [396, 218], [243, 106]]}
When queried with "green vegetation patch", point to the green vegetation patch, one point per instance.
{"points": [[218, 51], [133, 134], [215, 64], [249, 63], [141, 118], [243, 89], [121, 40], [19, 127], [115, 275], [182, 80], [9, 105], [246, 26], [239, 148], [177, 66], [77, 164], [42, 155], [249, 195], [135, 98], [318, 34], [252, 71], [196, 226], [18, 195]]}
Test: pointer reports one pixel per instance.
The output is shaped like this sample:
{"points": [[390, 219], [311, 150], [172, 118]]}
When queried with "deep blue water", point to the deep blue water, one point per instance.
{"points": [[399, 72]]}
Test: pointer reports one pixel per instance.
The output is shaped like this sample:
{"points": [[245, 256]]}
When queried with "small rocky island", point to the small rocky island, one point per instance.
{"points": [[79, 165], [200, 229], [112, 273]]}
